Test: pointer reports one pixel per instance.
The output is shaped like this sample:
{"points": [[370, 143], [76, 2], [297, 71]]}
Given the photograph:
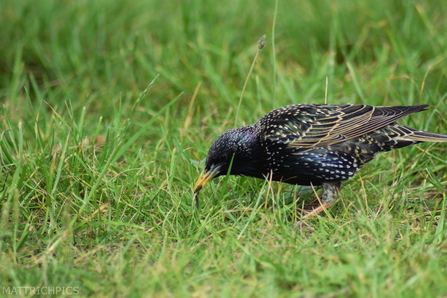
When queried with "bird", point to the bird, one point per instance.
{"points": [[312, 144]]}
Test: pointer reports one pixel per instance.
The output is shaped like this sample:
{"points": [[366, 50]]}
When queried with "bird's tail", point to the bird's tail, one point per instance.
{"points": [[425, 136]]}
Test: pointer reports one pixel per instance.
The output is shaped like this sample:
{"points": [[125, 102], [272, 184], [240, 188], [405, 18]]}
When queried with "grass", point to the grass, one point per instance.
{"points": [[108, 109]]}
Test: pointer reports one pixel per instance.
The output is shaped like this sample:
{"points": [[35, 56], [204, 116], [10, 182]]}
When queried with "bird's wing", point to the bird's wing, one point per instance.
{"points": [[308, 126]]}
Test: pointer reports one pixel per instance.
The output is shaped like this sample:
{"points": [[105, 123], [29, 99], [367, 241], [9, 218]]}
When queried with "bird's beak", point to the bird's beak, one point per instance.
{"points": [[204, 178]]}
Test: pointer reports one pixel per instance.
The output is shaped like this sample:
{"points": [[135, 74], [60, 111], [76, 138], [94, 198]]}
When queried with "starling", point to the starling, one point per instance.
{"points": [[312, 144]]}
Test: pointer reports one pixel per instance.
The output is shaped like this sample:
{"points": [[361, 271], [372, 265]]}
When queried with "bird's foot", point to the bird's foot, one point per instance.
{"points": [[312, 210], [312, 205]]}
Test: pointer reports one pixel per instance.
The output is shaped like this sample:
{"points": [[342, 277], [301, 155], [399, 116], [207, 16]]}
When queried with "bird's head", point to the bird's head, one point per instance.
{"points": [[235, 152]]}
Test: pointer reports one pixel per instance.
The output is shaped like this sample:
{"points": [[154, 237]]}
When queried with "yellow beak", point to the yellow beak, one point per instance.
{"points": [[203, 180]]}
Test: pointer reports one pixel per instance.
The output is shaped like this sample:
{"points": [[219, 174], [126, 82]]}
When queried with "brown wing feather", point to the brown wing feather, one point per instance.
{"points": [[352, 121]]}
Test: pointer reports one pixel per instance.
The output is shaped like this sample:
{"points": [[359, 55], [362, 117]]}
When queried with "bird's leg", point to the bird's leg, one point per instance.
{"points": [[330, 193]]}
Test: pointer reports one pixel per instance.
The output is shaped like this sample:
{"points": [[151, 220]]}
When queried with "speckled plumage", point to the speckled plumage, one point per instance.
{"points": [[312, 144]]}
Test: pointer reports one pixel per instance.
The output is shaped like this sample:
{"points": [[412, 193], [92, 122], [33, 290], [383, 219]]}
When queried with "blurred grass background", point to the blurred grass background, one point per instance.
{"points": [[108, 109]]}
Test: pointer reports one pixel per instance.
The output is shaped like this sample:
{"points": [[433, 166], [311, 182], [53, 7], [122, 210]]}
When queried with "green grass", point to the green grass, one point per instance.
{"points": [[108, 109]]}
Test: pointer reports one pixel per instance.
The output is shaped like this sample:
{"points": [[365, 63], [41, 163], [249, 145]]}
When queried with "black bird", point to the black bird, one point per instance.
{"points": [[312, 144]]}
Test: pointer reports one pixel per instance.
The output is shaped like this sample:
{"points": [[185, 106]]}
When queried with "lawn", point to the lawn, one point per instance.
{"points": [[108, 109]]}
